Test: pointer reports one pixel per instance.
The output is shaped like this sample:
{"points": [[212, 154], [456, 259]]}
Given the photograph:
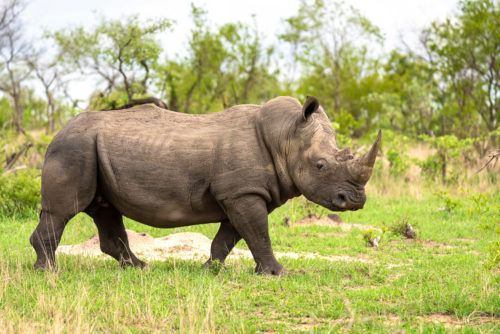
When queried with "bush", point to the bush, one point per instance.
{"points": [[20, 191], [397, 146], [446, 162]]}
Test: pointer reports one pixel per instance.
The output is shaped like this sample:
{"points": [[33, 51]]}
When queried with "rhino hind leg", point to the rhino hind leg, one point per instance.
{"points": [[225, 240], [46, 238], [113, 238]]}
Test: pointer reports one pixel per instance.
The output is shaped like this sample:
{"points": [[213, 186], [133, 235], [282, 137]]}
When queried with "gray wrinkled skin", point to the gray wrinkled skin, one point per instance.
{"points": [[168, 169]]}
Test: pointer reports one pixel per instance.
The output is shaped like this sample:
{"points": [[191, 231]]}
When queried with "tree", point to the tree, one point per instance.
{"points": [[49, 75], [224, 66], [13, 53], [331, 41], [408, 95], [466, 53], [120, 52]]}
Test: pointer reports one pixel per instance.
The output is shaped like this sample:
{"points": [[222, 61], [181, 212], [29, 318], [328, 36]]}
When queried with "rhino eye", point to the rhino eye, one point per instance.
{"points": [[319, 165]]}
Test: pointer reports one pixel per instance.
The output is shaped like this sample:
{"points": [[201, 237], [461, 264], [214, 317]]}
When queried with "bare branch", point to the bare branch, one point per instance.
{"points": [[494, 155]]}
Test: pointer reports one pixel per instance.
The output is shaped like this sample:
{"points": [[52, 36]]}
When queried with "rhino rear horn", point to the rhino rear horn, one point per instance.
{"points": [[310, 106]]}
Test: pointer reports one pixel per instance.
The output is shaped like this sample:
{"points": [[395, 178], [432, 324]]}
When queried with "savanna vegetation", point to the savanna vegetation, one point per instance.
{"points": [[437, 101]]}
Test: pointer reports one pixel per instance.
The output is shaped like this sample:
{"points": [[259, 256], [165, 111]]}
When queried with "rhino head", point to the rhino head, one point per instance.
{"points": [[324, 174]]}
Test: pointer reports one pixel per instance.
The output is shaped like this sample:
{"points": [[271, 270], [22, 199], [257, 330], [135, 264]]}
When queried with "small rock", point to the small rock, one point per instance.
{"points": [[374, 242], [336, 218], [409, 232], [287, 221]]}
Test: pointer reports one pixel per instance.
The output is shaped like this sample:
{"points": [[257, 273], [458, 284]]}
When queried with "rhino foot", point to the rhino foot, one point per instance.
{"points": [[275, 269], [43, 265], [133, 262]]}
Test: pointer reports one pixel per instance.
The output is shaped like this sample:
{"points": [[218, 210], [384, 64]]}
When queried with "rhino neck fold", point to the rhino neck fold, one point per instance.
{"points": [[275, 127]]}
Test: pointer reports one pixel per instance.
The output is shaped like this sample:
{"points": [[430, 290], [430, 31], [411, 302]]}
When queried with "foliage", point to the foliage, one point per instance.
{"points": [[20, 192], [409, 95], [465, 51], [450, 203], [121, 52], [341, 139], [225, 65], [403, 228], [483, 208], [395, 147], [5, 109], [444, 162], [330, 41], [372, 237]]}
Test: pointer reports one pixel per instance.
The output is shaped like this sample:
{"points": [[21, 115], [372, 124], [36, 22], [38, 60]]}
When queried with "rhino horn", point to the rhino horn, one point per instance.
{"points": [[361, 168]]}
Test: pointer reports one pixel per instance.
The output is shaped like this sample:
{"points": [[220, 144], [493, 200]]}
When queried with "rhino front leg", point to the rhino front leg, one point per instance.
{"points": [[225, 239], [248, 215], [113, 237]]}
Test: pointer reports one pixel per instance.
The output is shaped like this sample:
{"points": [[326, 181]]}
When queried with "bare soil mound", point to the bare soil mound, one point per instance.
{"points": [[185, 245]]}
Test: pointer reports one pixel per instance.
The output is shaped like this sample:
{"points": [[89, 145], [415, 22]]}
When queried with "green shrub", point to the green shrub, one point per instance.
{"points": [[447, 162], [20, 191], [341, 139], [450, 203], [481, 207], [397, 146]]}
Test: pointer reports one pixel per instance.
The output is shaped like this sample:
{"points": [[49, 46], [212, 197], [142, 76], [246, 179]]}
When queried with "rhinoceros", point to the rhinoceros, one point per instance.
{"points": [[169, 169]]}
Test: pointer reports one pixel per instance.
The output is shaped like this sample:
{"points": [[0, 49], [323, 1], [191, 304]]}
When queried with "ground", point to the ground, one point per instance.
{"points": [[335, 282]]}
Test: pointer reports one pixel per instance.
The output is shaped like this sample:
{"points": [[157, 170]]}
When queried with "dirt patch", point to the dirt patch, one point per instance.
{"points": [[390, 320], [450, 321], [424, 243], [185, 246], [332, 220], [333, 234], [474, 252], [446, 320], [464, 240], [433, 244], [362, 287]]}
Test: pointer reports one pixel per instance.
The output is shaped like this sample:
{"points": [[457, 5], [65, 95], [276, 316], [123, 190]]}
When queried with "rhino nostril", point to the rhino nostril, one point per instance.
{"points": [[341, 201]]}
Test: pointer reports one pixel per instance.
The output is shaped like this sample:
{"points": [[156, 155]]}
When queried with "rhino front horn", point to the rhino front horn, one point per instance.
{"points": [[368, 159], [361, 168]]}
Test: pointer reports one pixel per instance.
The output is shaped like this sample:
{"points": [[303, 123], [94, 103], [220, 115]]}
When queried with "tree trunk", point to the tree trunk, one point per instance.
{"points": [[18, 109]]}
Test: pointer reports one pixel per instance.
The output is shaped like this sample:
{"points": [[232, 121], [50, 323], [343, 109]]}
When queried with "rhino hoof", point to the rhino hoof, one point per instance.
{"points": [[133, 263], [271, 270], [43, 265]]}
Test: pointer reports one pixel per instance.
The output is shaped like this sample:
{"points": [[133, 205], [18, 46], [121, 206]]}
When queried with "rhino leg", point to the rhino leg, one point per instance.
{"points": [[225, 239], [112, 235], [46, 238], [68, 186], [248, 215]]}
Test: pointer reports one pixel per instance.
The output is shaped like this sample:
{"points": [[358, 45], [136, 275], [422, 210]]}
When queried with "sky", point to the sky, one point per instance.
{"points": [[395, 18]]}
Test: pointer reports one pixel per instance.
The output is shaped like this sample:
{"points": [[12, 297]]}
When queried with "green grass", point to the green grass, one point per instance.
{"points": [[434, 284]]}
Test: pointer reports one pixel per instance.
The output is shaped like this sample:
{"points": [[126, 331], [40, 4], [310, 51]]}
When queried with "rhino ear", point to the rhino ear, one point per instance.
{"points": [[310, 106]]}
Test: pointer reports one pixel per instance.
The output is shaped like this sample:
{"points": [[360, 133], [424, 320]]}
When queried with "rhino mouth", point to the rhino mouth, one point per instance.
{"points": [[334, 207], [343, 203]]}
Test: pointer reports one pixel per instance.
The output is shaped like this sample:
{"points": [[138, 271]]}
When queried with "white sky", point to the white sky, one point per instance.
{"points": [[394, 17]]}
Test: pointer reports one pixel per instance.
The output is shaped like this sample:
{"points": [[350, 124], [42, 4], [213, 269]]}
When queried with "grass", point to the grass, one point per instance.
{"points": [[434, 284]]}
